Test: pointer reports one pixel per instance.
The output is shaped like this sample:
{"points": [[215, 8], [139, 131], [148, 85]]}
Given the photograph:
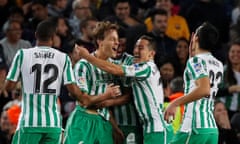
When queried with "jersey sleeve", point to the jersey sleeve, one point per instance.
{"points": [[197, 67], [81, 75], [15, 69], [68, 75], [139, 71]]}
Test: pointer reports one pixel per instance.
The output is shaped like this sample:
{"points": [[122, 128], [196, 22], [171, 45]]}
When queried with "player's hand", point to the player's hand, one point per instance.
{"points": [[169, 113], [106, 103], [83, 52], [113, 90], [190, 49]]}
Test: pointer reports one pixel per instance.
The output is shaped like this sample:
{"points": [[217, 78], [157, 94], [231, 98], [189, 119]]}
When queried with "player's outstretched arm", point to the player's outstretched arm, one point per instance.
{"points": [[102, 64], [87, 101], [202, 90]]}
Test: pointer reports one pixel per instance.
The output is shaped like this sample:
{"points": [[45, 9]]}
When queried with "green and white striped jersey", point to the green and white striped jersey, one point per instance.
{"points": [[41, 71], [199, 114], [93, 81], [148, 95], [125, 115]]}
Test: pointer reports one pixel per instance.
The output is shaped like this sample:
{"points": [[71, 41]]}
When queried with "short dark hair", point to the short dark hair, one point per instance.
{"points": [[116, 2], [152, 43], [207, 35], [84, 23], [176, 85], [45, 30], [158, 12]]}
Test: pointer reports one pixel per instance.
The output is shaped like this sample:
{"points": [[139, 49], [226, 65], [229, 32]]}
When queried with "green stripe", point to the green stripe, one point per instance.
{"points": [[120, 115], [69, 76], [147, 106], [139, 105], [54, 110], [39, 112], [191, 70], [129, 118], [97, 78], [21, 57], [14, 70], [201, 113], [24, 109], [31, 107], [146, 73], [46, 110]]}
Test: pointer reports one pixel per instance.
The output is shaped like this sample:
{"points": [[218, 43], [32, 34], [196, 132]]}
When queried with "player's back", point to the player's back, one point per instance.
{"points": [[198, 114], [41, 70]]}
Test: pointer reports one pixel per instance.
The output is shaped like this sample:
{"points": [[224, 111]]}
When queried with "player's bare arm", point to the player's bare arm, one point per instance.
{"points": [[202, 90], [87, 101], [102, 64]]}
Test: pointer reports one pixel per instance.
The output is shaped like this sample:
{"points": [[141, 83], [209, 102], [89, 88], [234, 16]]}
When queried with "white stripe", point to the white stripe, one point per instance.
{"points": [[50, 110], [197, 113], [27, 114], [43, 111], [124, 114], [35, 113], [57, 112]]}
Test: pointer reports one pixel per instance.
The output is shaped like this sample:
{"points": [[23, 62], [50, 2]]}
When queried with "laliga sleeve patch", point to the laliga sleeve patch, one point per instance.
{"points": [[82, 81], [198, 68]]}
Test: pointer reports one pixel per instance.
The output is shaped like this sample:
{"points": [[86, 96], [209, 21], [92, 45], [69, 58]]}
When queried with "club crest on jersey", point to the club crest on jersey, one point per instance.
{"points": [[198, 67]]}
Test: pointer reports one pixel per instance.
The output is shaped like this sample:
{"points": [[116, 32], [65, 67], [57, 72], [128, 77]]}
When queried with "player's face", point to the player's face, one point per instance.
{"points": [[141, 51], [110, 43], [234, 54]]}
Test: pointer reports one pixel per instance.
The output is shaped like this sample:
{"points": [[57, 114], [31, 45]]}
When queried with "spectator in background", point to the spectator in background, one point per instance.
{"points": [[230, 87], [63, 33], [165, 45], [124, 18], [177, 25], [227, 134], [16, 14], [3, 71], [39, 12], [13, 114], [87, 27], [5, 137], [81, 10], [56, 7], [4, 10], [181, 57], [12, 42]]}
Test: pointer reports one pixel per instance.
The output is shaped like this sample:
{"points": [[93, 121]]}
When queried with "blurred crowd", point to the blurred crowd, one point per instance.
{"points": [[169, 22]]}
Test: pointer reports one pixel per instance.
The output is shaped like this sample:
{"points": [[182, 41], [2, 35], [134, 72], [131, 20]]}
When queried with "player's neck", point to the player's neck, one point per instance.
{"points": [[99, 54], [44, 43], [201, 51]]}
